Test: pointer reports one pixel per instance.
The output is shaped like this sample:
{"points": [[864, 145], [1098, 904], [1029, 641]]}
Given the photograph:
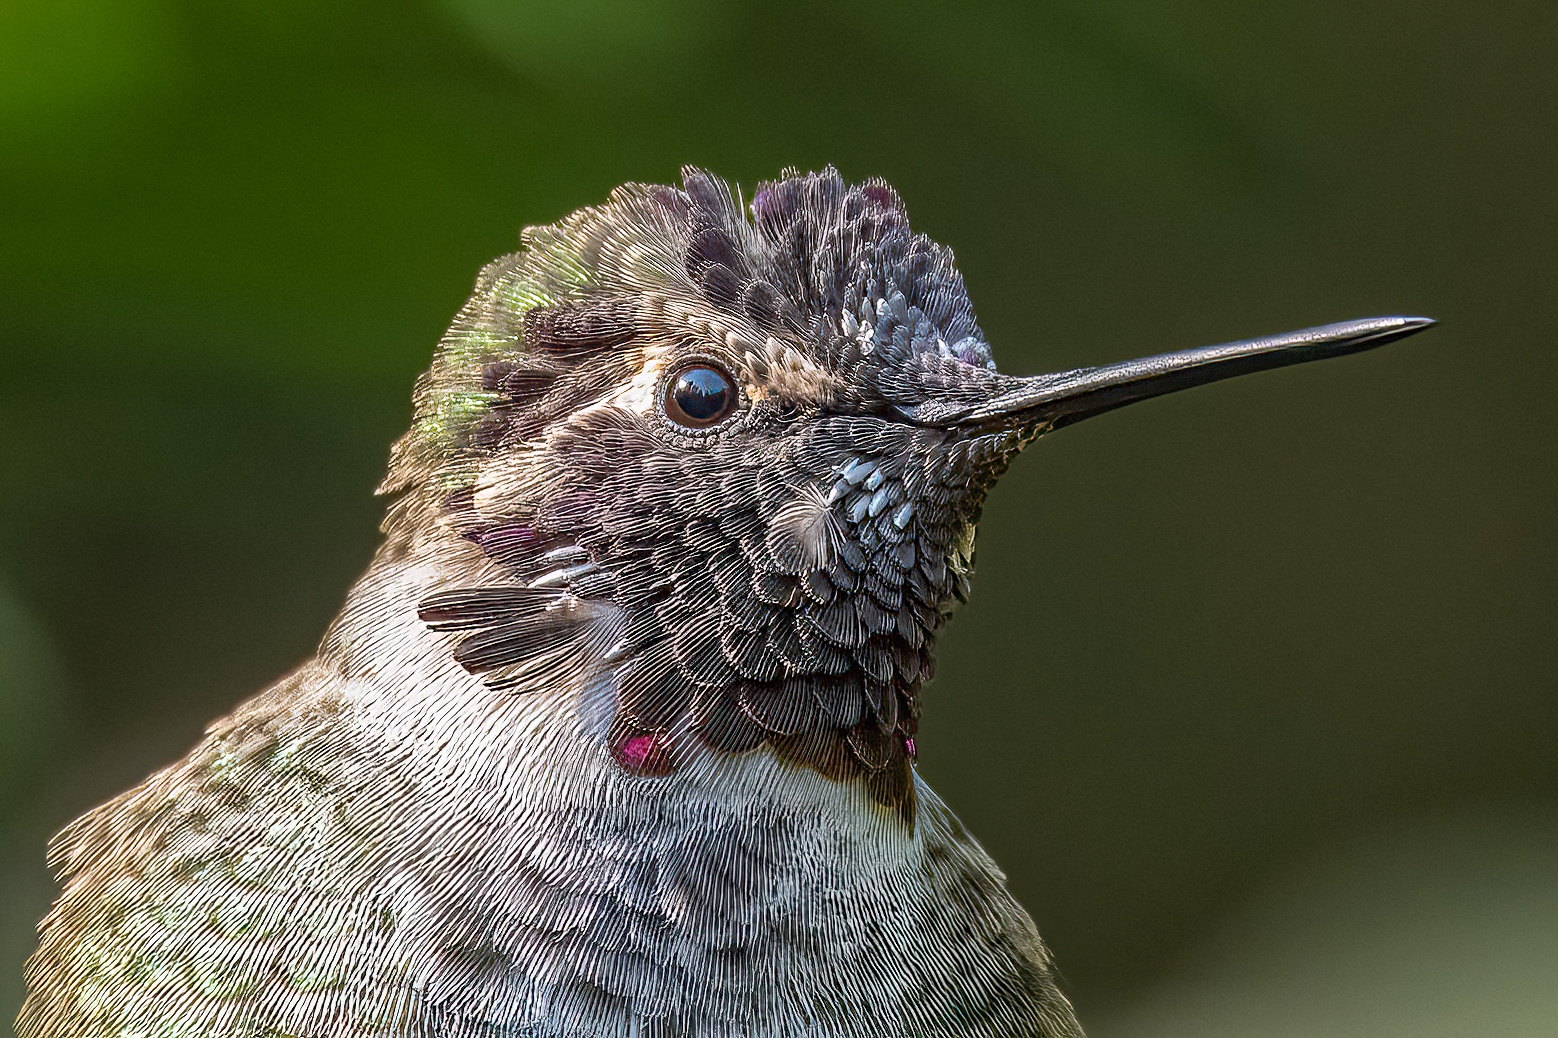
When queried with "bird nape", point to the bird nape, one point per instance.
{"points": [[616, 735]]}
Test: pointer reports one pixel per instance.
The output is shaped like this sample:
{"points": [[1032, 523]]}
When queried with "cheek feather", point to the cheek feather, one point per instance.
{"points": [[804, 535]]}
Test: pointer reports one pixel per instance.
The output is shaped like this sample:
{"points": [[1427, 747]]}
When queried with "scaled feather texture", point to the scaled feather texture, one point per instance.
{"points": [[616, 735]]}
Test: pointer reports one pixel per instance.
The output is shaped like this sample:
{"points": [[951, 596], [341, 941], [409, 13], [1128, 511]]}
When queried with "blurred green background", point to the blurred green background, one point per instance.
{"points": [[1255, 699]]}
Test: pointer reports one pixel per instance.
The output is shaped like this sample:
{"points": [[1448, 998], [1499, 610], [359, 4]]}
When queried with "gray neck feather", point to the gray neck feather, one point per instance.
{"points": [[539, 887], [382, 844]]}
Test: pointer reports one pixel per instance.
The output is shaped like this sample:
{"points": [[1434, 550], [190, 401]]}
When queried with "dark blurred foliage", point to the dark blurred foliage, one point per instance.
{"points": [[1213, 636]]}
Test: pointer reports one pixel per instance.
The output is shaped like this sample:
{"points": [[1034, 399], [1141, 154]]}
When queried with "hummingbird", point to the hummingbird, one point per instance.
{"points": [[615, 738]]}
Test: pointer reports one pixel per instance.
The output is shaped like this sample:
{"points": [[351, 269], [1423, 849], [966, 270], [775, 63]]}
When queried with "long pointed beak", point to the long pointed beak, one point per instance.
{"points": [[1050, 401]]}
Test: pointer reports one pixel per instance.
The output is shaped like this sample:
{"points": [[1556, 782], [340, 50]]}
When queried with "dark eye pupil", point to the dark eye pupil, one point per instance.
{"points": [[701, 396]]}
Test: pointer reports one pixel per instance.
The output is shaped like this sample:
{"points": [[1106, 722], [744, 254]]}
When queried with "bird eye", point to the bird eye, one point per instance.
{"points": [[699, 396]]}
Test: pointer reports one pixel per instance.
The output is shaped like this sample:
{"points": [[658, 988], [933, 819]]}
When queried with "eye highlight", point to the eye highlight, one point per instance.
{"points": [[700, 395]]}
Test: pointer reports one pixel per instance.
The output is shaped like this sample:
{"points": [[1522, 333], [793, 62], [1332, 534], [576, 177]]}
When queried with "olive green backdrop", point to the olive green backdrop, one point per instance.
{"points": [[1255, 698]]}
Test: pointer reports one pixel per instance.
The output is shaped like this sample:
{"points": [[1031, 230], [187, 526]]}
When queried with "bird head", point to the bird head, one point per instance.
{"points": [[733, 456]]}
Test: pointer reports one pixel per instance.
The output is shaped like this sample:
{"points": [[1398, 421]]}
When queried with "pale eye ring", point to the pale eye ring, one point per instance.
{"points": [[700, 395]]}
